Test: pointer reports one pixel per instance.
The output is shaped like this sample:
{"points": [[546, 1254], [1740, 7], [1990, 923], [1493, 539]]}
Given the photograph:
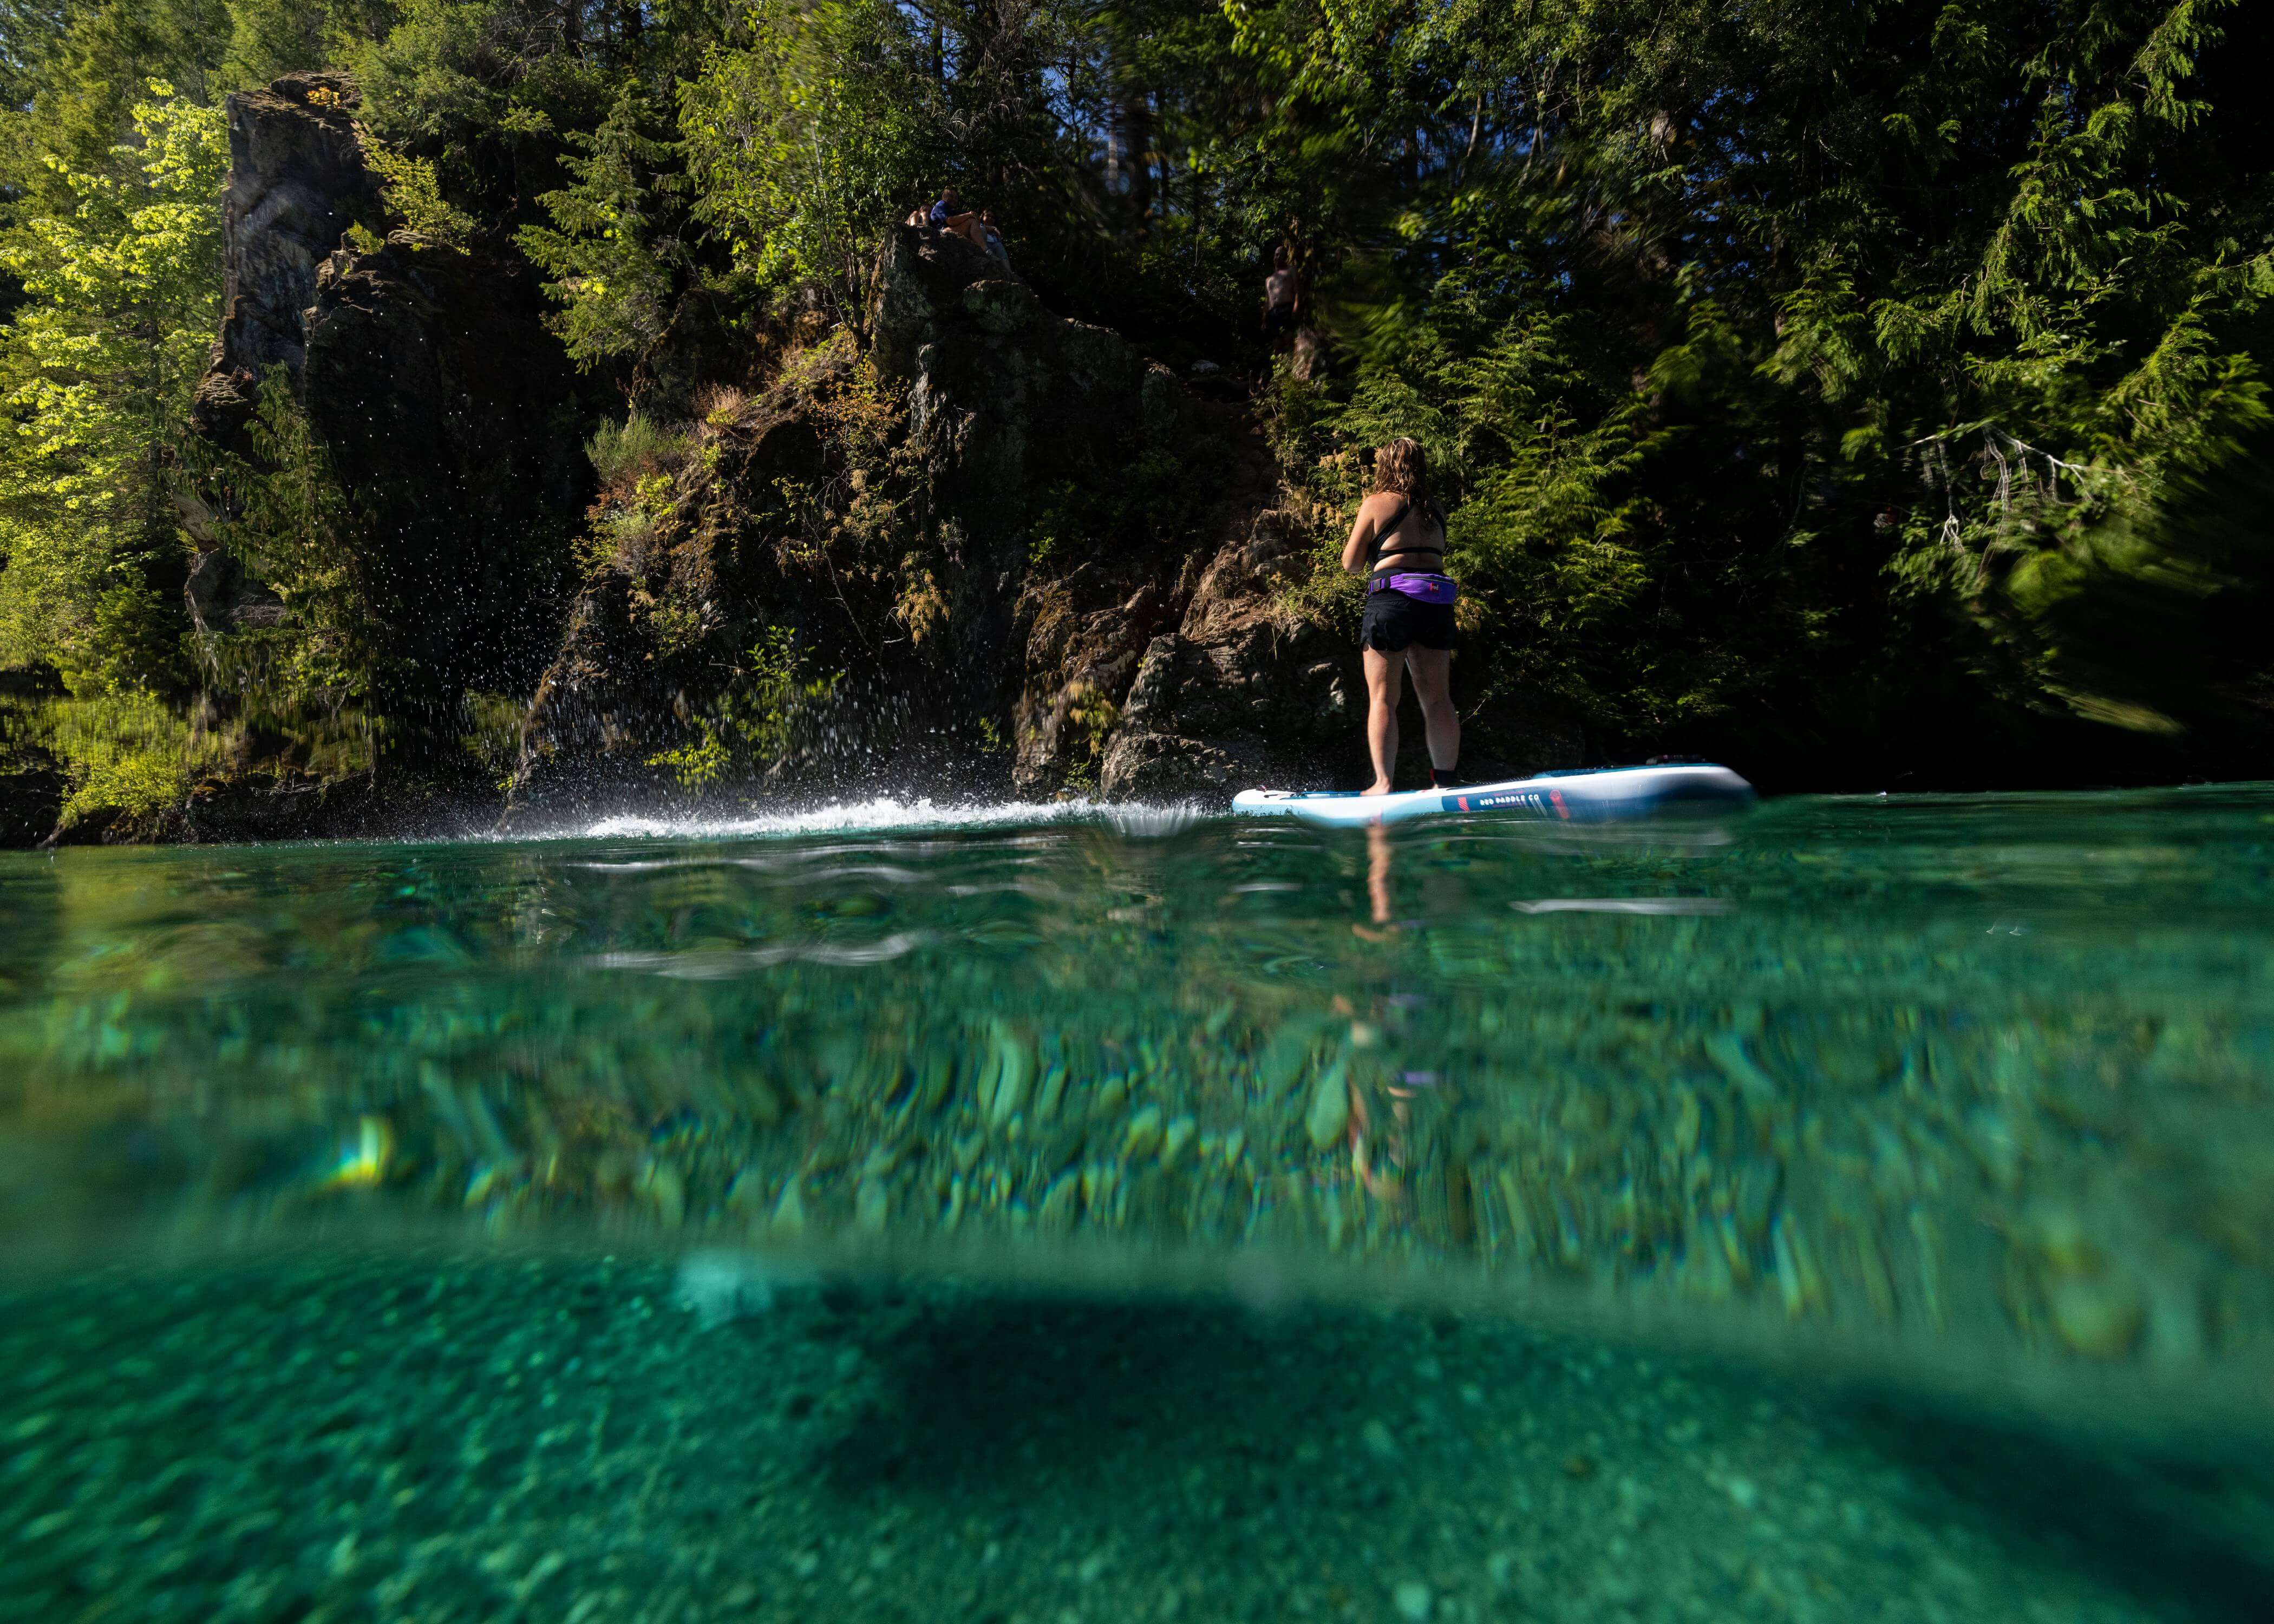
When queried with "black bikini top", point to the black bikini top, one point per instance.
{"points": [[1397, 519]]}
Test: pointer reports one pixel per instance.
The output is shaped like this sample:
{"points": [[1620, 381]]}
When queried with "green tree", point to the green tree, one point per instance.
{"points": [[616, 251], [271, 37], [292, 526], [78, 90], [30, 30], [1825, 361], [486, 88], [122, 300], [806, 143]]}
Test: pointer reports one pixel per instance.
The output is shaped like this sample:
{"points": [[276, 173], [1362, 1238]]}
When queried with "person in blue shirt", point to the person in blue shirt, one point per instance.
{"points": [[950, 214], [948, 209]]}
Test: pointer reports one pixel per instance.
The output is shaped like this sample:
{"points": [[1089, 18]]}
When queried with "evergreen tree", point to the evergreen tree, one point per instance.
{"points": [[1759, 336]]}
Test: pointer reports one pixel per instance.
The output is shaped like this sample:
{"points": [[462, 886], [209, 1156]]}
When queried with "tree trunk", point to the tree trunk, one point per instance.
{"points": [[1133, 136]]}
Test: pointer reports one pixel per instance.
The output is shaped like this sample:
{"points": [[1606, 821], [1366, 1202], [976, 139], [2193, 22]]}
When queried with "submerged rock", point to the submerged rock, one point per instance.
{"points": [[1143, 1135], [1329, 1113], [1412, 1600], [1006, 1075], [718, 1287]]}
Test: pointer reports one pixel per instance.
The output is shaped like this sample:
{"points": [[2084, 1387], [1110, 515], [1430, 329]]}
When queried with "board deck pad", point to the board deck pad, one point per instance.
{"points": [[1595, 795]]}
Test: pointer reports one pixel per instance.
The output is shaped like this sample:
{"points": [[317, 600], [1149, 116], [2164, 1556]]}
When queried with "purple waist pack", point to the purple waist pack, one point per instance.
{"points": [[1421, 589]]}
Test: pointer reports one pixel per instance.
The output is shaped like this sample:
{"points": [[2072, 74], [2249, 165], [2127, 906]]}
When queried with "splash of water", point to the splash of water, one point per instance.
{"points": [[886, 815]]}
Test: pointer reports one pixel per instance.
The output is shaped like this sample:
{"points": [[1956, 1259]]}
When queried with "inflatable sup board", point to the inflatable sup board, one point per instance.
{"points": [[1598, 795]]}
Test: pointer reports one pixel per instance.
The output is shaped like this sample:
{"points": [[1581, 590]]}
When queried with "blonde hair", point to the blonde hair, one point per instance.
{"points": [[1402, 467]]}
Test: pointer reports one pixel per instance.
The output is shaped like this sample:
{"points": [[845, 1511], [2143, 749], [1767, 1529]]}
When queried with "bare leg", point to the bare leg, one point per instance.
{"points": [[1432, 686], [1382, 1186], [1385, 685], [1377, 871]]}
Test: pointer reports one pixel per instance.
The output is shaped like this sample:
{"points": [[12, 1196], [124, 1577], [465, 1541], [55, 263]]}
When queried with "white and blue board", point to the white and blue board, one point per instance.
{"points": [[1600, 795]]}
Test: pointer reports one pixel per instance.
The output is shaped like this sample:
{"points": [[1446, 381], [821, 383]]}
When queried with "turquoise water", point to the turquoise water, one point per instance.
{"points": [[1967, 1100]]}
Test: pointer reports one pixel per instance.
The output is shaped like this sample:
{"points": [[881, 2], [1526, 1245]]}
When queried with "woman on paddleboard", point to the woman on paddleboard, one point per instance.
{"points": [[1397, 542]]}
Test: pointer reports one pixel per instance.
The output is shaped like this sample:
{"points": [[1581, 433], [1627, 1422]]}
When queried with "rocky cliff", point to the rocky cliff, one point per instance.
{"points": [[975, 580], [930, 526], [975, 547], [447, 424], [296, 182], [449, 413], [1052, 567]]}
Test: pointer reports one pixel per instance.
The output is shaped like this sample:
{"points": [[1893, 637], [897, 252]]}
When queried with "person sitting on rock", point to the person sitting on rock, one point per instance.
{"points": [[949, 214], [993, 235]]}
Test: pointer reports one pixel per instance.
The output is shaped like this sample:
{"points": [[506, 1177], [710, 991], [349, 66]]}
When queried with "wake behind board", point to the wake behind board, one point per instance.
{"points": [[1602, 795]]}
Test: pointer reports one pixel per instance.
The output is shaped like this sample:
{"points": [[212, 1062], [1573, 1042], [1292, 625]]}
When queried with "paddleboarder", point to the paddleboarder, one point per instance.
{"points": [[1397, 542]]}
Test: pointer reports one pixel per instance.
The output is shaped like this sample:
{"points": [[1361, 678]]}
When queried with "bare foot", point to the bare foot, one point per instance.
{"points": [[1378, 787]]}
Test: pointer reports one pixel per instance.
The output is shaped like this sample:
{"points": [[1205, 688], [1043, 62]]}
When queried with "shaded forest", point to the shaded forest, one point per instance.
{"points": [[1866, 393]]}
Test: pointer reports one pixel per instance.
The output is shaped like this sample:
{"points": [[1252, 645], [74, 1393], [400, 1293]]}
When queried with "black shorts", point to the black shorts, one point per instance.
{"points": [[1394, 623]]}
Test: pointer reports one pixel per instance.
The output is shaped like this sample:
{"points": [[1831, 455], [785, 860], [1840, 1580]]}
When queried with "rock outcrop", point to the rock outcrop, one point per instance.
{"points": [[662, 629], [1243, 691], [32, 790], [448, 413], [1079, 479], [1033, 489], [443, 407], [1105, 558], [297, 181], [980, 546], [1178, 669]]}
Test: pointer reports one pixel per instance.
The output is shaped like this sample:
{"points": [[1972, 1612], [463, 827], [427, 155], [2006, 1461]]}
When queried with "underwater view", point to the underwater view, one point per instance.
{"points": [[1857, 1207]]}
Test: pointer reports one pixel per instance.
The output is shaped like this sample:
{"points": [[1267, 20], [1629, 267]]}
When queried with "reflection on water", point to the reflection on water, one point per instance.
{"points": [[1967, 1097]]}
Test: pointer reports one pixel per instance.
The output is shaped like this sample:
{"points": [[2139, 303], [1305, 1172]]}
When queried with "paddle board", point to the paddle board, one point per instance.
{"points": [[1598, 795]]}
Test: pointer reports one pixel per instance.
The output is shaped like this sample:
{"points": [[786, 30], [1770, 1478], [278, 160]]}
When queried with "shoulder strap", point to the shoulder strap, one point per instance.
{"points": [[1382, 532]]}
